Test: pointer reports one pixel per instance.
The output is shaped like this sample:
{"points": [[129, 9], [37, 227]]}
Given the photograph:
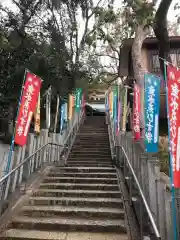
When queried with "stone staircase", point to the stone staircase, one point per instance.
{"points": [[79, 201]]}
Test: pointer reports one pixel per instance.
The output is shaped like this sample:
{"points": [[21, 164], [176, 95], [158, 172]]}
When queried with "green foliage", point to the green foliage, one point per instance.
{"points": [[139, 12]]}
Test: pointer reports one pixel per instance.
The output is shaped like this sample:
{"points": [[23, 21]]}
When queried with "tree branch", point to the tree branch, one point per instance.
{"points": [[106, 55], [88, 17]]}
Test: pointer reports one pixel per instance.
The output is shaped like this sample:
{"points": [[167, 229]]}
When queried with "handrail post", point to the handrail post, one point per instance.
{"points": [[25, 167]]}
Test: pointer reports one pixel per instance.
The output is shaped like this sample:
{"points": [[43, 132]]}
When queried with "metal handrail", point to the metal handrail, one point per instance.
{"points": [[38, 150], [156, 231], [25, 160], [153, 223]]}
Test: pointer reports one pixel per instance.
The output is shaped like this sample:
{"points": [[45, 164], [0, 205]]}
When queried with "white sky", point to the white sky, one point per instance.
{"points": [[171, 15]]}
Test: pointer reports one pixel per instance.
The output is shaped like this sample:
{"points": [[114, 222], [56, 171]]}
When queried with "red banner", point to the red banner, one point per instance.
{"points": [[27, 108], [136, 112], [173, 84]]}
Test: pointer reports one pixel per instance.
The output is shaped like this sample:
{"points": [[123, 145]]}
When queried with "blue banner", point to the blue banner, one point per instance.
{"points": [[151, 112], [62, 117]]}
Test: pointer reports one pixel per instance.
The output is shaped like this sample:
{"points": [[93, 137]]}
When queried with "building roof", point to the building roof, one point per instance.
{"points": [[151, 40]]}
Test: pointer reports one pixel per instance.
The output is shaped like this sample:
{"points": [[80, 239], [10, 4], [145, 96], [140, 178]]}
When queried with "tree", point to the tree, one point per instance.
{"points": [[106, 42], [161, 32]]}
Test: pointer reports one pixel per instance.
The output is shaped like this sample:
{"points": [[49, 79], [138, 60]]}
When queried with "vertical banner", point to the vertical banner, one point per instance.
{"points": [[65, 111], [37, 117], [111, 103], [62, 117], [28, 106], [78, 99], [173, 104], [48, 107], [56, 116], [136, 112], [124, 111], [151, 112], [71, 100], [118, 118], [115, 101], [106, 101]]}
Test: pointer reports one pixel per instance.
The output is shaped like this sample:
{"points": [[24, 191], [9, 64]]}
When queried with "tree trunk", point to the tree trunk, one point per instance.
{"points": [[161, 32], [138, 68]]}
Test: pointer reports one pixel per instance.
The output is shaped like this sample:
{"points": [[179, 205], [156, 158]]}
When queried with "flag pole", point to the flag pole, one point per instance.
{"points": [[13, 135], [170, 161]]}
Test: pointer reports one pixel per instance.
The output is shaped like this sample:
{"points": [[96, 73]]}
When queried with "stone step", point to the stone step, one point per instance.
{"points": [[84, 169], [96, 152], [73, 164], [91, 145], [87, 186], [79, 153], [91, 134], [90, 150], [75, 201], [89, 138], [19, 234], [98, 155], [90, 155], [32, 235], [89, 162], [76, 193], [97, 141], [93, 130], [89, 159], [88, 147], [81, 224], [79, 180], [83, 174], [73, 212]]}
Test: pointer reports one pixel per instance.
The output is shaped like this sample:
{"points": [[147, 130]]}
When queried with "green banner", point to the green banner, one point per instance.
{"points": [[78, 99], [114, 102]]}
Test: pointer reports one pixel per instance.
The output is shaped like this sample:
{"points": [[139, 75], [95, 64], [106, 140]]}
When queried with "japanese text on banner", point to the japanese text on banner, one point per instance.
{"points": [[151, 112], [173, 85], [136, 112], [62, 112], [27, 108], [115, 100], [111, 103], [37, 117], [78, 99]]}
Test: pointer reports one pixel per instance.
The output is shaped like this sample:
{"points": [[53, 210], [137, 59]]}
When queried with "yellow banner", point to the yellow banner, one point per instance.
{"points": [[124, 111], [111, 103], [37, 117], [71, 104]]}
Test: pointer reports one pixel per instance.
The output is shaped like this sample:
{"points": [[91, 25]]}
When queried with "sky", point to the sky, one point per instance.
{"points": [[171, 15]]}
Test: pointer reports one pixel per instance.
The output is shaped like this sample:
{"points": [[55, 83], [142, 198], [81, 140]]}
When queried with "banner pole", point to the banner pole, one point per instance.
{"points": [[12, 140], [170, 162]]}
